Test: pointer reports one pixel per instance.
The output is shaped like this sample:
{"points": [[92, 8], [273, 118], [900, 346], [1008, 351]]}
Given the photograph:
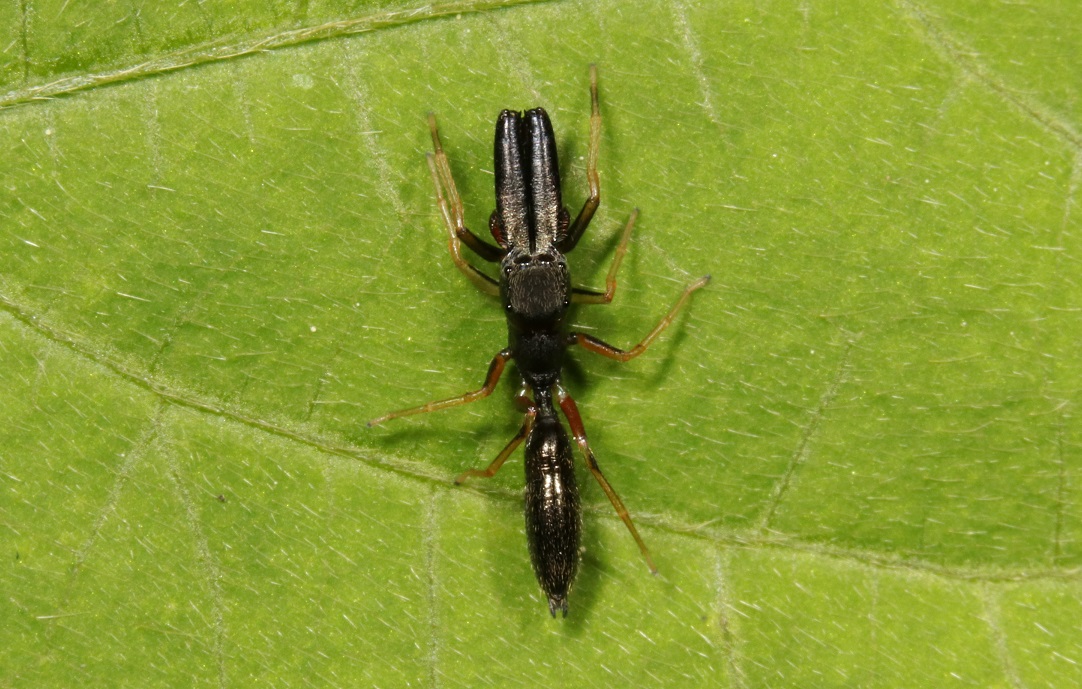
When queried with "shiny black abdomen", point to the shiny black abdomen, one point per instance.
{"points": [[553, 528]]}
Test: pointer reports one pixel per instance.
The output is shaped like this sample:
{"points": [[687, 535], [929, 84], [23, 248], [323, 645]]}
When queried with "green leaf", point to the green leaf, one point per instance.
{"points": [[856, 457]]}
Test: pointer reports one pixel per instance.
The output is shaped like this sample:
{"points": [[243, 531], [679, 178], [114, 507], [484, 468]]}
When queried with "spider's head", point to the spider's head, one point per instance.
{"points": [[535, 288]]}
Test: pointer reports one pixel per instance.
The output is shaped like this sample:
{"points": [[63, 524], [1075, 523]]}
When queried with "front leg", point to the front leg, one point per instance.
{"points": [[450, 205], [582, 221]]}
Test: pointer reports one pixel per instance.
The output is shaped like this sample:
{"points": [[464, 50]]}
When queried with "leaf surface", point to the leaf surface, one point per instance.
{"points": [[856, 457]]}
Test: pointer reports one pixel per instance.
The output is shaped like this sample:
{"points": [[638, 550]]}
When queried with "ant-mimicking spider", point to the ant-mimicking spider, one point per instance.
{"points": [[533, 231]]}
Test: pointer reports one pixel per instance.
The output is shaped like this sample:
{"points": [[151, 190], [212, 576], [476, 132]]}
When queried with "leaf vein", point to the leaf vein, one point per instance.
{"points": [[210, 568], [422, 472], [962, 57], [803, 449], [219, 51], [999, 638]]}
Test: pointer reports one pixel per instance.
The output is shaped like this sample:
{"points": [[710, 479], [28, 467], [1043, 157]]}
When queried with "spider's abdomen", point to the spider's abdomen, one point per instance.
{"points": [[553, 527]]}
